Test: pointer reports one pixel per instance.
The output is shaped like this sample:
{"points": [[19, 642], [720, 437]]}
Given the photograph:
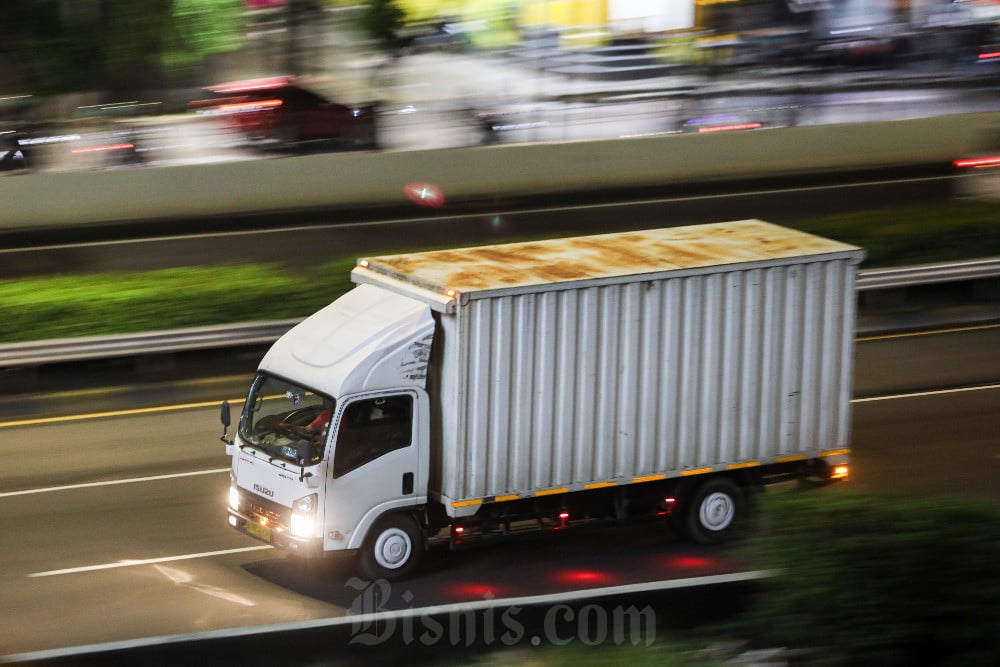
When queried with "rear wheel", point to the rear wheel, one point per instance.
{"points": [[393, 548], [715, 511]]}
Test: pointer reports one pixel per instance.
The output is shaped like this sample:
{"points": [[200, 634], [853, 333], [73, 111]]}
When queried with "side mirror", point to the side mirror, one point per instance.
{"points": [[226, 421], [304, 453]]}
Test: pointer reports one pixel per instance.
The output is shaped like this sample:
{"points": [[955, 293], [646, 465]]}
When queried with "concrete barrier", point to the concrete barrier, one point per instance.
{"points": [[364, 179]]}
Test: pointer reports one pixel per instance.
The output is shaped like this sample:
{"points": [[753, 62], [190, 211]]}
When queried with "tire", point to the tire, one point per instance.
{"points": [[715, 511], [393, 548]]}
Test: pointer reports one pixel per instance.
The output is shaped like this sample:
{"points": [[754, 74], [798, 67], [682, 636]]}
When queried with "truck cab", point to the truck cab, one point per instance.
{"points": [[319, 460]]}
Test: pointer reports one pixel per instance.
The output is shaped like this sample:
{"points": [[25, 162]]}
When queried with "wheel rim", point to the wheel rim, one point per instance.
{"points": [[393, 548], [717, 511]]}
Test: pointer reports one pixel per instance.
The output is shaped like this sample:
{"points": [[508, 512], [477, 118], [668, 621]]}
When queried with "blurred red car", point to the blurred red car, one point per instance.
{"points": [[277, 112]]}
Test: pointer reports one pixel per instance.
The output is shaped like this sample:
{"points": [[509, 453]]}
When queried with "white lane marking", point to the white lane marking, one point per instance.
{"points": [[182, 578], [112, 482], [919, 394], [146, 561]]}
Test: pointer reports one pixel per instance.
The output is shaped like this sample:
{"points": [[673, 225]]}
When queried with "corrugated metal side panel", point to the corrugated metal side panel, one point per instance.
{"points": [[608, 383]]}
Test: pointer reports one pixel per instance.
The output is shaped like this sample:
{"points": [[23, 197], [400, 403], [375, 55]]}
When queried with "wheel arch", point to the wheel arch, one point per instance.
{"points": [[394, 548], [377, 513]]}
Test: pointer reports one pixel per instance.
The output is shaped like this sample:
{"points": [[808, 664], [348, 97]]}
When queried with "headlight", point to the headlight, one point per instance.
{"points": [[306, 505], [302, 525], [234, 498], [304, 516]]}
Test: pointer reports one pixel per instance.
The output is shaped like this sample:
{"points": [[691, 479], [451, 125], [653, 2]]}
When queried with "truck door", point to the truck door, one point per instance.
{"points": [[375, 465]]}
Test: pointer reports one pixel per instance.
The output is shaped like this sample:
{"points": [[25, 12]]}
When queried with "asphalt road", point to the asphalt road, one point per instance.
{"points": [[116, 527]]}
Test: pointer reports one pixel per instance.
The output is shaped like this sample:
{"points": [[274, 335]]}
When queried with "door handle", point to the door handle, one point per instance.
{"points": [[407, 483]]}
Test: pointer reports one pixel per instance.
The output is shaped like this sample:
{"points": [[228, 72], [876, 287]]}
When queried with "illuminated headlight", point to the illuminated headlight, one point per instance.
{"points": [[304, 516], [302, 525], [234, 498]]}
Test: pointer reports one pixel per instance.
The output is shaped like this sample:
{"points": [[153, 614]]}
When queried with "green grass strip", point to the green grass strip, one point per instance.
{"points": [[112, 303], [65, 306]]}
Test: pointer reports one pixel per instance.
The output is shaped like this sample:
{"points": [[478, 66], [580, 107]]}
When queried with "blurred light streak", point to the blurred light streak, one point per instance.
{"points": [[727, 128], [473, 591], [690, 562], [990, 161], [579, 577], [249, 106], [109, 147], [424, 194]]}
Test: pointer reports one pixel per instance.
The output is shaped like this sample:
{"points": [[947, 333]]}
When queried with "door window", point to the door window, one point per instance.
{"points": [[371, 428]]}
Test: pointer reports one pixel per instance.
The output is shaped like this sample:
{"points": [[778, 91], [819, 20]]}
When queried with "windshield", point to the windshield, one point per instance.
{"points": [[279, 416]]}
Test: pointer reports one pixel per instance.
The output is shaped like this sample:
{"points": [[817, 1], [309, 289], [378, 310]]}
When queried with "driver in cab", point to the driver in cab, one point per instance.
{"points": [[314, 430]]}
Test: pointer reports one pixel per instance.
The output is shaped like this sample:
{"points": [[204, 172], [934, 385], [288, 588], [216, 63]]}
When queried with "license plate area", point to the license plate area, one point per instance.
{"points": [[259, 531]]}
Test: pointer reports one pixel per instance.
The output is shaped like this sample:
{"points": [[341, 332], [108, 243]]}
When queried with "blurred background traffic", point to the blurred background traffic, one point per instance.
{"points": [[93, 84]]}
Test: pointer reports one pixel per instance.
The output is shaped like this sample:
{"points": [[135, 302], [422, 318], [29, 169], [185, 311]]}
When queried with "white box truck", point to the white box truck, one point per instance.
{"points": [[463, 394]]}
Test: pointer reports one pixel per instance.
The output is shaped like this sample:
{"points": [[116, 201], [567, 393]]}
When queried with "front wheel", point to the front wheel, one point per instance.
{"points": [[715, 511], [393, 549]]}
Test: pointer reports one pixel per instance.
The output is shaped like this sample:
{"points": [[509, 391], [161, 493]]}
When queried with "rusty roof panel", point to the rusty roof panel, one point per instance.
{"points": [[602, 256]]}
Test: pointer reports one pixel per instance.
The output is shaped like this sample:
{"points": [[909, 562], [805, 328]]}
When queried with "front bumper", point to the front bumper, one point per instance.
{"points": [[277, 536]]}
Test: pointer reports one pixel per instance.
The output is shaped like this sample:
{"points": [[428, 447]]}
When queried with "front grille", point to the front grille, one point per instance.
{"points": [[259, 508], [259, 511]]}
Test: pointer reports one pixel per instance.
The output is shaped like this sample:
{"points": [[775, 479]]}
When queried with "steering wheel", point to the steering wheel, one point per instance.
{"points": [[300, 417]]}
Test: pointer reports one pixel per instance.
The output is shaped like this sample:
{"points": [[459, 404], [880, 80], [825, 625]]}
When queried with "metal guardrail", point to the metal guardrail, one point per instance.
{"points": [[926, 274], [36, 353]]}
